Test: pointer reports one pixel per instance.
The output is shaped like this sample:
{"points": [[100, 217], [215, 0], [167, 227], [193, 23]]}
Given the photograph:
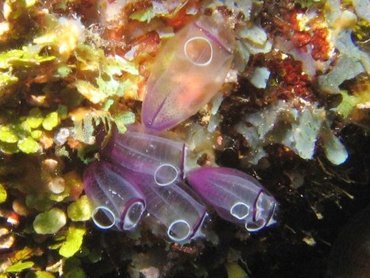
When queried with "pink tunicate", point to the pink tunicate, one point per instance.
{"points": [[148, 154], [189, 70], [236, 196], [117, 202], [171, 206]]}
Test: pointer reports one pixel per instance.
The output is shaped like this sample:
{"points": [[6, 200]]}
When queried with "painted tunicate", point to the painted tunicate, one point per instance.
{"points": [[235, 196], [145, 172], [147, 153], [172, 207], [117, 202], [189, 70]]}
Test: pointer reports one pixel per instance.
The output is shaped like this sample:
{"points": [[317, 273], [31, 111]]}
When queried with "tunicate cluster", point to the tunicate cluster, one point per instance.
{"points": [[143, 173]]}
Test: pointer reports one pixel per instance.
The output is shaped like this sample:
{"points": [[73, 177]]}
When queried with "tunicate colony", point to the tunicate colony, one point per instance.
{"points": [[142, 173]]}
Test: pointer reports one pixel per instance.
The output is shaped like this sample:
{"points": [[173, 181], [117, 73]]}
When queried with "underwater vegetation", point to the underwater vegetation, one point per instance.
{"points": [[163, 138]]}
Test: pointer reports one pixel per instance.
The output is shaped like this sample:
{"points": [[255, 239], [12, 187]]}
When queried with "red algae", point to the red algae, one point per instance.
{"points": [[320, 44], [292, 81]]}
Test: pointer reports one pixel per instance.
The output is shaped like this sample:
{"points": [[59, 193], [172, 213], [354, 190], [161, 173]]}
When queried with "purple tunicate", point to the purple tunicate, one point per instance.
{"points": [[148, 154], [236, 196], [189, 70], [172, 207], [119, 201]]}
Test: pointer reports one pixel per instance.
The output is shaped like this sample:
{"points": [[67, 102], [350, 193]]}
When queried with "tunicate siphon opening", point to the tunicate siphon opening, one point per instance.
{"points": [[179, 230], [165, 174], [133, 215], [239, 210], [199, 51], [103, 217], [265, 207], [255, 226]]}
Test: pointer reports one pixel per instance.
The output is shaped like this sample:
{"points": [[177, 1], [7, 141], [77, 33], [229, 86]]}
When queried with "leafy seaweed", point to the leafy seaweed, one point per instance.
{"points": [[109, 70], [51, 121], [25, 133], [235, 271], [26, 57], [19, 17], [20, 266], [73, 241], [6, 82], [80, 210], [3, 194], [28, 145], [143, 15], [49, 222]]}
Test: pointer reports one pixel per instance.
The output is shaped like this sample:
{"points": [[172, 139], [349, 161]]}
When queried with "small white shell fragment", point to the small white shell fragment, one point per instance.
{"points": [[309, 240], [259, 77], [57, 185], [165, 32], [62, 136], [254, 34], [232, 76], [255, 50], [7, 239]]}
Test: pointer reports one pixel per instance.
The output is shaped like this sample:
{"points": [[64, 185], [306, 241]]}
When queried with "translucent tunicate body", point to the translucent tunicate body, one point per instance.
{"points": [[235, 196], [117, 202], [189, 70], [148, 154], [171, 207]]}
